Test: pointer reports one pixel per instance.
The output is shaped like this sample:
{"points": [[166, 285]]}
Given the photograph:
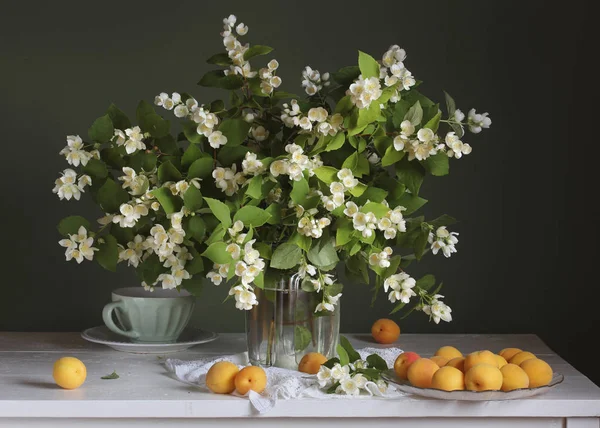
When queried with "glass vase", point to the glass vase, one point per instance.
{"points": [[283, 327]]}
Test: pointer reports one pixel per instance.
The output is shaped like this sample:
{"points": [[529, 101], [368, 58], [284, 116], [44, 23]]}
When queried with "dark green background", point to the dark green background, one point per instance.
{"points": [[529, 228]]}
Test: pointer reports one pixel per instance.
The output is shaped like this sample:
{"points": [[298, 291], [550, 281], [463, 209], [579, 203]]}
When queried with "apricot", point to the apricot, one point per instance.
{"points": [[483, 377], [500, 360], [508, 353], [420, 373], [457, 363], [519, 357], [220, 378], [448, 379], [403, 362], [385, 331], [448, 352], [311, 362], [439, 360], [480, 357], [513, 377], [538, 371], [251, 378]]}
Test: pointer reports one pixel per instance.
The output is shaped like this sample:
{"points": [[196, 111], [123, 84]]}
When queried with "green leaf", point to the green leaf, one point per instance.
{"points": [[415, 114], [196, 227], [450, 104], [220, 211], [322, 252], [346, 75], [70, 225], [421, 243], [236, 131], [410, 174], [150, 269], [264, 250], [358, 190], [327, 174], [211, 79], [438, 164], [286, 256], [391, 156], [108, 253], [344, 232], [220, 59], [275, 211], [110, 196], [217, 253], [400, 110], [426, 282], [195, 265], [192, 199], [434, 122], [299, 191], [231, 82], [231, 154], [201, 168], [336, 143], [368, 66], [217, 235], [256, 50], [254, 189], [167, 200], [357, 163], [373, 194], [118, 118], [344, 105], [411, 202], [344, 358], [443, 220], [382, 144], [168, 172], [190, 130], [113, 375], [143, 161], [302, 338], [376, 208], [193, 285], [191, 154], [376, 362], [252, 216], [368, 115], [302, 241], [151, 122], [102, 130], [352, 354], [168, 145]]}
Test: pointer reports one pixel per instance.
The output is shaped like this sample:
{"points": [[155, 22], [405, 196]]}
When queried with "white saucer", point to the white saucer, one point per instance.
{"points": [[190, 337]]}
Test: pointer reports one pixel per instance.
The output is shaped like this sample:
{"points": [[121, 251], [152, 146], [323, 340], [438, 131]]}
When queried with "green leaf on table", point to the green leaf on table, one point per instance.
{"points": [[220, 211], [322, 252], [411, 174], [344, 358], [108, 252], [376, 362], [168, 172], [346, 75], [438, 164], [299, 191], [220, 59], [70, 225], [236, 131], [113, 375], [118, 118], [251, 216], [192, 199], [350, 351], [391, 156], [256, 50], [286, 256], [368, 66], [110, 196], [196, 227], [217, 253], [415, 114], [169, 202], [201, 168], [102, 130]]}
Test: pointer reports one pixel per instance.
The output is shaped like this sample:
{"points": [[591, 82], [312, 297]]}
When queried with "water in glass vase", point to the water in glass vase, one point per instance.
{"points": [[284, 327]]}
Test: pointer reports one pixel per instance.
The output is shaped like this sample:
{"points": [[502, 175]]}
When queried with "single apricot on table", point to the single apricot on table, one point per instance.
{"points": [[457, 363], [448, 352], [480, 357], [311, 362], [251, 378], [448, 379], [513, 377], [385, 331], [439, 360], [420, 373], [508, 353], [538, 371], [69, 372], [220, 378], [519, 357], [403, 362], [483, 377]]}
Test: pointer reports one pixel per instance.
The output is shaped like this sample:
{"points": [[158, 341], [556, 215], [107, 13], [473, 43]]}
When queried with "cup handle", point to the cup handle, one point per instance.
{"points": [[108, 320]]}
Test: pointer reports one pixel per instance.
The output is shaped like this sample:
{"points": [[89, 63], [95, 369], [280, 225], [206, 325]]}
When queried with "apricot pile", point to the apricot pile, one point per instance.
{"points": [[449, 370], [225, 377]]}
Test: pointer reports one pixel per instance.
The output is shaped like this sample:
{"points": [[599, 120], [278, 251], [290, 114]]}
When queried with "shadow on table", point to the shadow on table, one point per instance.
{"points": [[38, 384]]}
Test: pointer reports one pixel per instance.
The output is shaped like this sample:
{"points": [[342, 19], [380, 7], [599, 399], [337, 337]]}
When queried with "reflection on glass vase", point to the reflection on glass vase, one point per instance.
{"points": [[283, 327]]}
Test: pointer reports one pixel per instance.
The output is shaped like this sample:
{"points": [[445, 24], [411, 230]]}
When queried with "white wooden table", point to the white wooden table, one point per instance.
{"points": [[146, 396]]}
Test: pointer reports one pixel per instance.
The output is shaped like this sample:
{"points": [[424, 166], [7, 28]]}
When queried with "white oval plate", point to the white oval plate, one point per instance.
{"points": [[404, 386], [190, 337]]}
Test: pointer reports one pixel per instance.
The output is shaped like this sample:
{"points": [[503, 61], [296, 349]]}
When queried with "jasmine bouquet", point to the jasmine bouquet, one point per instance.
{"points": [[265, 182]]}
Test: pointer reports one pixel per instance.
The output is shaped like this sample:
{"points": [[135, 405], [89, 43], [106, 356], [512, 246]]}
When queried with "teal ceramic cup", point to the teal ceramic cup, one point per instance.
{"points": [[149, 317]]}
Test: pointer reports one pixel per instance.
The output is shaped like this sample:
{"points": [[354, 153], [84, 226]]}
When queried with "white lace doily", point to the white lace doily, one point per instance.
{"points": [[282, 384]]}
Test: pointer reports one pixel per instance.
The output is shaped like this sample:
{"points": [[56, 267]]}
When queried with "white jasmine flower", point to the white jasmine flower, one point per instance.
{"points": [[459, 116], [339, 372], [181, 111], [349, 386], [241, 29], [160, 99], [168, 281], [400, 286], [66, 186], [244, 297], [364, 91], [351, 209], [260, 133], [443, 240], [215, 277], [324, 377], [273, 65], [478, 121], [217, 139], [438, 310], [84, 180]]}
